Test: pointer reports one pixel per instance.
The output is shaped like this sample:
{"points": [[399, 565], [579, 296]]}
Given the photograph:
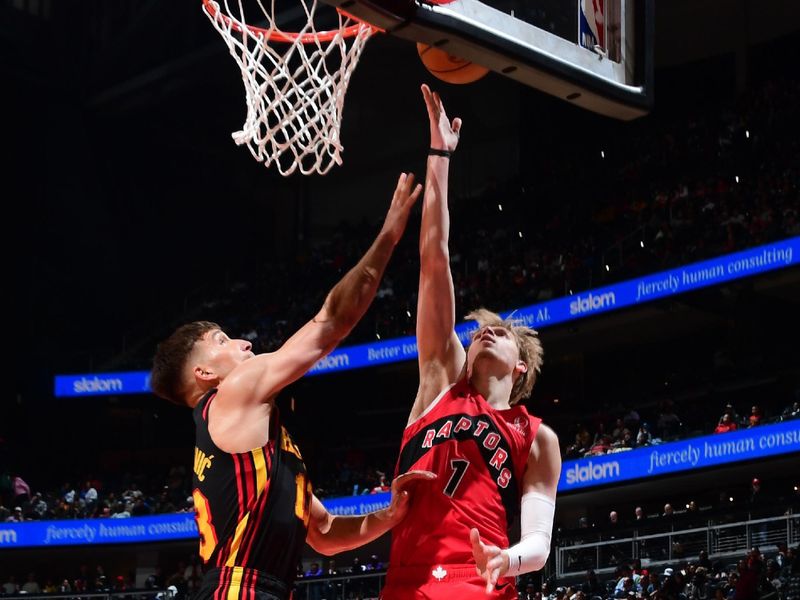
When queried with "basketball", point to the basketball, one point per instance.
{"points": [[449, 68]]}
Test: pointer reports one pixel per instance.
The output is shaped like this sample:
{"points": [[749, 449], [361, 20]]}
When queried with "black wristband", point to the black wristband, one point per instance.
{"points": [[437, 152]]}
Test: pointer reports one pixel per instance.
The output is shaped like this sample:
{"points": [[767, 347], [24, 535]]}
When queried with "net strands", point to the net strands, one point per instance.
{"points": [[295, 84]]}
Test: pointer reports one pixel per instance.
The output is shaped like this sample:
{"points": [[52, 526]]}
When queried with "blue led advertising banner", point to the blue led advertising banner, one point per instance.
{"points": [[140, 530], [625, 294], [684, 455], [674, 457]]}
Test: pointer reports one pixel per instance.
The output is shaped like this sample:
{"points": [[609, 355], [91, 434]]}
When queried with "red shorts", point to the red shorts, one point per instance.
{"points": [[443, 582]]}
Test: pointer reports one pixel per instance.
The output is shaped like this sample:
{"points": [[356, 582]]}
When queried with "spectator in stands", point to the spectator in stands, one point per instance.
{"points": [[781, 556], [704, 561], [638, 515], [756, 499], [791, 412], [731, 410], [624, 587], [83, 582], [530, 592], [583, 441], [314, 589], [726, 424], [632, 419], [22, 490], [331, 571], [374, 564], [652, 584], [31, 586], [619, 429], [756, 416], [140, 508], [698, 586], [11, 586], [643, 437], [747, 585], [155, 581], [382, 485], [601, 446], [38, 507], [669, 424], [100, 579], [591, 585], [772, 576], [669, 512], [626, 442], [89, 497]]}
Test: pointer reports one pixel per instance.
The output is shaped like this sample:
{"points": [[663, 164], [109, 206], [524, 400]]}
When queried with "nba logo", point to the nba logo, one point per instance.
{"points": [[591, 24]]}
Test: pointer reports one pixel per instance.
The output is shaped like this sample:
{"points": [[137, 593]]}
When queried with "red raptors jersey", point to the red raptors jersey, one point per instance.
{"points": [[480, 455]]}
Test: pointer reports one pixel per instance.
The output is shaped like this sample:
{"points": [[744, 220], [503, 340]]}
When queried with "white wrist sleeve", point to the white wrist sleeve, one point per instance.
{"points": [[536, 526]]}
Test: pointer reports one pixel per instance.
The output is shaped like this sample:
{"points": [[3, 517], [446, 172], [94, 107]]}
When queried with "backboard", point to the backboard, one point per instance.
{"points": [[596, 54]]}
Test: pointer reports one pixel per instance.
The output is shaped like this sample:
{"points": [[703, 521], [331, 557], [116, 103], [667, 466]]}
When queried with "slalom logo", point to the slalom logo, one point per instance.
{"points": [[337, 361], [592, 302], [8, 536], [592, 472], [86, 385]]}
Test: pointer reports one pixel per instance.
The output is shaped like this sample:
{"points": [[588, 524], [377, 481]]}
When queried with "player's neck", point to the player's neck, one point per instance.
{"points": [[495, 390]]}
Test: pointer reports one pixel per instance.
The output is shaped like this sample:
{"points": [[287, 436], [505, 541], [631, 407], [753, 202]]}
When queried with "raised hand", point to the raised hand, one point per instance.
{"points": [[444, 133], [491, 562], [405, 195]]}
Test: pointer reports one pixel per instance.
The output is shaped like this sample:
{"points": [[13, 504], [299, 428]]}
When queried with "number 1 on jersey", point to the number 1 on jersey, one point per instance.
{"points": [[459, 467]]}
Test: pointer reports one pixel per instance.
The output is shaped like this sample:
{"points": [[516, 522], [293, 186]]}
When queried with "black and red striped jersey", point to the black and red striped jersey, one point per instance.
{"points": [[252, 508]]}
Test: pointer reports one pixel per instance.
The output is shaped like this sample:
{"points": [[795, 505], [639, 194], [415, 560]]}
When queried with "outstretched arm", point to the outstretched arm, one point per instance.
{"points": [[539, 487], [330, 534], [441, 355], [263, 376]]}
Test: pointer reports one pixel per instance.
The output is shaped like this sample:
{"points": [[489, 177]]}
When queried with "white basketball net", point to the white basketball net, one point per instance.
{"points": [[294, 90]]}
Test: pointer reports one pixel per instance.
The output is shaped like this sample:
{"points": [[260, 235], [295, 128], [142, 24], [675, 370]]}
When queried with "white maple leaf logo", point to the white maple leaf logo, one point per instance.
{"points": [[439, 573]]}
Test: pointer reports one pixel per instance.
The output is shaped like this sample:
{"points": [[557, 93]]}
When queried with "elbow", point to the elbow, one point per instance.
{"points": [[337, 319], [319, 544]]}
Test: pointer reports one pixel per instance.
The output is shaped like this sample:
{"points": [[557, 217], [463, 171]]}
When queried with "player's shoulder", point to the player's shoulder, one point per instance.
{"points": [[546, 441]]}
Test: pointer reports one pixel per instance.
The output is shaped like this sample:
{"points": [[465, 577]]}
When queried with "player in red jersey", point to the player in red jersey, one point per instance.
{"points": [[253, 501], [494, 461]]}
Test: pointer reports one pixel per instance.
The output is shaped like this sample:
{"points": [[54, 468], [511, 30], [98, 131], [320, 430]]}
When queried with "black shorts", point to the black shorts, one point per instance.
{"points": [[238, 583]]}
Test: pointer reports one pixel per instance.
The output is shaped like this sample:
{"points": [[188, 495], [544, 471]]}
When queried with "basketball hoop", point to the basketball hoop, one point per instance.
{"points": [[295, 91]]}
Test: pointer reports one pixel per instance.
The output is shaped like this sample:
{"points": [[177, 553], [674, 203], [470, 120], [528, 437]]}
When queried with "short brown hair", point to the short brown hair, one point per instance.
{"points": [[530, 349], [166, 378]]}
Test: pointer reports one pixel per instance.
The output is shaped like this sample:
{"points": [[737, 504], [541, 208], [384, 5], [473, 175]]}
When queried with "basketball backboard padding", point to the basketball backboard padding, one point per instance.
{"points": [[474, 31]]}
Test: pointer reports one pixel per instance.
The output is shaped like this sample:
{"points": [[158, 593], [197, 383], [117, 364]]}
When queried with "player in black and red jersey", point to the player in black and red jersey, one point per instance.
{"points": [[494, 461], [253, 502]]}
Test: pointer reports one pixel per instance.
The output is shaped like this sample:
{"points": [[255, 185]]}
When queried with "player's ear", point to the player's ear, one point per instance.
{"points": [[204, 373]]}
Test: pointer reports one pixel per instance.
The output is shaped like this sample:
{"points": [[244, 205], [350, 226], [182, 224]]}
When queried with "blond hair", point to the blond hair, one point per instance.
{"points": [[530, 349]]}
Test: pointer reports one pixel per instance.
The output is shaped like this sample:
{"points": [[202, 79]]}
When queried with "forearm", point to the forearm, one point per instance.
{"points": [[349, 299], [346, 533], [435, 227], [531, 553]]}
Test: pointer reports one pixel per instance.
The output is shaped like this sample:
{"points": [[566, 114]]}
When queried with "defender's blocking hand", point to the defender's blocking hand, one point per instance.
{"points": [[405, 195]]}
